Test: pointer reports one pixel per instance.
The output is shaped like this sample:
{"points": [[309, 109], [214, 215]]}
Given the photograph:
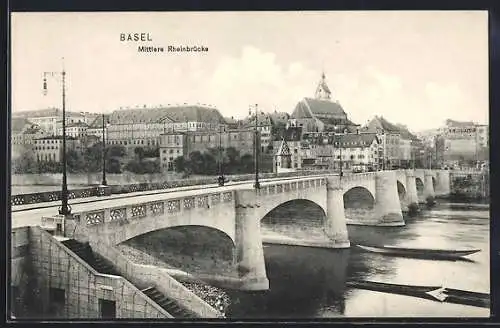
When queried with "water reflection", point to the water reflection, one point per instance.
{"points": [[310, 282]]}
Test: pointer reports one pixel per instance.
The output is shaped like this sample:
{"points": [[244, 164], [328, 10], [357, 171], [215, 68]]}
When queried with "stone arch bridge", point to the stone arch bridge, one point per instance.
{"points": [[238, 212]]}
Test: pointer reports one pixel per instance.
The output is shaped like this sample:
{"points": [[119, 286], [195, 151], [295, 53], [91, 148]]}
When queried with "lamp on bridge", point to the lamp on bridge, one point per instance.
{"points": [[65, 208], [256, 145], [221, 172]]}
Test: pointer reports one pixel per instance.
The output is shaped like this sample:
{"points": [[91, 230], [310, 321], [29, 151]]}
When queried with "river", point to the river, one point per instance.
{"points": [[310, 282]]}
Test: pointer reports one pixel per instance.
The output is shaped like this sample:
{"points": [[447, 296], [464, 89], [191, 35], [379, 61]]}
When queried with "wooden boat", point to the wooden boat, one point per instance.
{"points": [[419, 252], [433, 293]]}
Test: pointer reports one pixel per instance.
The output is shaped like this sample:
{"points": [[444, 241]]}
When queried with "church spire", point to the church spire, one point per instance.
{"points": [[322, 91]]}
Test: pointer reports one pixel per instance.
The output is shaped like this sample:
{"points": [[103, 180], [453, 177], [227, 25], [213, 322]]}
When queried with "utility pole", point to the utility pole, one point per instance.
{"points": [[221, 173], [65, 208], [256, 151], [104, 182]]}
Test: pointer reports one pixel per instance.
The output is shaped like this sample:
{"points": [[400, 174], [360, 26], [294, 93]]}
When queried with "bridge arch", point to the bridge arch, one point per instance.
{"points": [[190, 248], [420, 185], [296, 218], [401, 190], [434, 183], [359, 197]]}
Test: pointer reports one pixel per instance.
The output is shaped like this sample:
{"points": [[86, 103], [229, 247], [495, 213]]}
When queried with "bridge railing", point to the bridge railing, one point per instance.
{"points": [[50, 196], [170, 206], [277, 187]]}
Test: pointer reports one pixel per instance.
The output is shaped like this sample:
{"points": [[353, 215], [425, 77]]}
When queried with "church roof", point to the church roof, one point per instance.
{"points": [[309, 107], [283, 149], [191, 113]]}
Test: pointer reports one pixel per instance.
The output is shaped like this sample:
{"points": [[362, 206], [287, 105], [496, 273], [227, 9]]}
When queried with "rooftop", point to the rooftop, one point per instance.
{"points": [[310, 107], [18, 124], [56, 138], [47, 112], [185, 113]]}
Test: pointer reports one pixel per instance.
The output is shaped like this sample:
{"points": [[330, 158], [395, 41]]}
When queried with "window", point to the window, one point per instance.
{"points": [[107, 308], [164, 151]]}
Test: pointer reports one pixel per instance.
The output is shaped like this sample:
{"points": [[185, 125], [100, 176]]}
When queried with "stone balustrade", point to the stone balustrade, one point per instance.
{"points": [[287, 186], [136, 211]]}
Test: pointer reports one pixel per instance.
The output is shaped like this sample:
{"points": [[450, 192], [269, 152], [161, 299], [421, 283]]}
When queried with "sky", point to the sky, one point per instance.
{"points": [[413, 68]]}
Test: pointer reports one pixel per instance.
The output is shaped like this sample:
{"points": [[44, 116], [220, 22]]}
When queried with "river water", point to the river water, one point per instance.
{"points": [[309, 282]]}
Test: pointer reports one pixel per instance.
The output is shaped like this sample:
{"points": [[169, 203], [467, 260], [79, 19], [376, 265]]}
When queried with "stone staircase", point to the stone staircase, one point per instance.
{"points": [[168, 304], [84, 251]]}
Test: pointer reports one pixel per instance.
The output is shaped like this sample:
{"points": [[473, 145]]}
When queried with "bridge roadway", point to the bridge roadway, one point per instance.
{"points": [[31, 214]]}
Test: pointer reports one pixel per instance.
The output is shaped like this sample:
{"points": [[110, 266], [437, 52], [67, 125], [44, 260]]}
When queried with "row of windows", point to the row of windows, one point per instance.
{"points": [[46, 157], [48, 141], [132, 142], [171, 151]]}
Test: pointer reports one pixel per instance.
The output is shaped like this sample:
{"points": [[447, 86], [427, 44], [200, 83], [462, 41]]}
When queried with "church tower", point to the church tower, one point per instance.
{"points": [[322, 91]]}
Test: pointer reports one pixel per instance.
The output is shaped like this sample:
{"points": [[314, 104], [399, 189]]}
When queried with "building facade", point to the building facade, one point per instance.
{"points": [[142, 127], [176, 144], [50, 149], [75, 130], [390, 141]]}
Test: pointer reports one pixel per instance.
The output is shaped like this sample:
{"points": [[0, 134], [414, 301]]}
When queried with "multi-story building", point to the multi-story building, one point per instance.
{"points": [[359, 151], [22, 136], [264, 126], [176, 144], [48, 119], [143, 127], [320, 113], [482, 135], [463, 140], [390, 141], [75, 130], [95, 127], [49, 149]]}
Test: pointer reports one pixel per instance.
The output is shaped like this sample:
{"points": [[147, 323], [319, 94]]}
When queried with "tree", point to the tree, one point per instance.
{"points": [[113, 165], [25, 163], [232, 155], [75, 161], [93, 158], [180, 164], [116, 151], [247, 163], [139, 153]]}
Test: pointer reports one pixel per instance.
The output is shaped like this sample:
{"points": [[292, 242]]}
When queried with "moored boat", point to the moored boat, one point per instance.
{"points": [[434, 293], [419, 252]]}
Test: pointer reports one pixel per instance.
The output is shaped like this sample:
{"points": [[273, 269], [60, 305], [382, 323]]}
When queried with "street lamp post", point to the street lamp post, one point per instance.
{"points": [[256, 184], [65, 208], [104, 182], [221, 173]]}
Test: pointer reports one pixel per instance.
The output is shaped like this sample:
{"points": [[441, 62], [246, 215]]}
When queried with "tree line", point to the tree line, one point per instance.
{"points": [[211, 161], [90, 161]]}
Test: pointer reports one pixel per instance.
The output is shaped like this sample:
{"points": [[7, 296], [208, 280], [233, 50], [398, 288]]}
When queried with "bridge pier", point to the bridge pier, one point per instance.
{"points": [[387, 205], [249, 251], [428, 185], [411, 189], [443, 183], [335, 223]]}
